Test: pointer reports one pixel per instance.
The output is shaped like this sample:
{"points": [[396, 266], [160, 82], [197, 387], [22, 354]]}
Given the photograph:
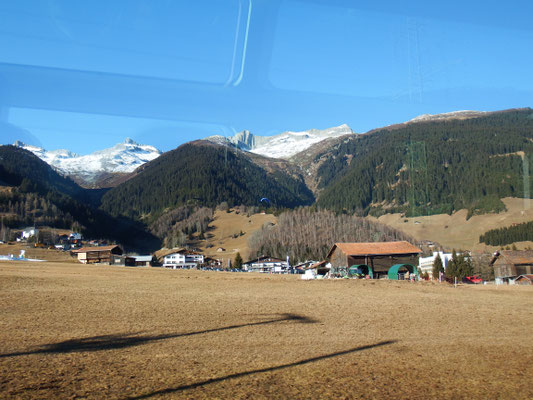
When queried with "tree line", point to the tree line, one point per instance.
{"points": [[507, 235]]}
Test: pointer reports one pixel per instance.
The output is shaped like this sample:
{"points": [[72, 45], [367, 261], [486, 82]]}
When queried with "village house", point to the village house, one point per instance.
{"points": [[182, 259], [266, 265], [509, 264], [426, 263], [29, 232], [375, 259], [98, 254]]}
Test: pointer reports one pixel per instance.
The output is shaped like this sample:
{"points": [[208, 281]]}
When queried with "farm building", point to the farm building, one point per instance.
{"points": [[99, 254], [266, 264], [142, 261], [126, 261], [509, 264], [524, 280], [377, 259]]}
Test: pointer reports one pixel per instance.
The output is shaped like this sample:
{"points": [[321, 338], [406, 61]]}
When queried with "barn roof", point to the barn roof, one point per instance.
{"points": [[527, 276], [515, 257], [96, 248], [375, 248]]}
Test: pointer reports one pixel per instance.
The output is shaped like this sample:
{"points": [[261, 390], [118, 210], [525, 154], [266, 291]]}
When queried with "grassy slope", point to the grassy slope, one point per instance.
{"points": [[224, 227], [76, 331], [454, 231]]}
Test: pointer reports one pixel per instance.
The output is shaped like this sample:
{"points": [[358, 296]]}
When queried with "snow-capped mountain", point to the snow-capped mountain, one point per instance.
{"points": [[122, 158], [284, 145]]}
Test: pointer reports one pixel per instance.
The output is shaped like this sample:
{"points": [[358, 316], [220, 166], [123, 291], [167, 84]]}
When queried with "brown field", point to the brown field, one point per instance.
{"points": [[455, 231], [73, 331]]}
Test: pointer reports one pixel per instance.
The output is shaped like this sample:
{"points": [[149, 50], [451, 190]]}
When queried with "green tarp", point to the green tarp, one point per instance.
{"points": [[393, 271]]}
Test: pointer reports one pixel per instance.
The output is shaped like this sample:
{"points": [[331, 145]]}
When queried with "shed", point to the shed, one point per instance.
{"points": [[142, 261], [378, 256]]}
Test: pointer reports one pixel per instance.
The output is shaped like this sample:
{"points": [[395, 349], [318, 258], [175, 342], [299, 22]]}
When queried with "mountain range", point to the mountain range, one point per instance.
{"points": [[89, 170], [432, 164]]}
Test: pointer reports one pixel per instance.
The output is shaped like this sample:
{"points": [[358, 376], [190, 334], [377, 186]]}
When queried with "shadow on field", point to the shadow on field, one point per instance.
{"points": [[110, 342], [259, 371]]}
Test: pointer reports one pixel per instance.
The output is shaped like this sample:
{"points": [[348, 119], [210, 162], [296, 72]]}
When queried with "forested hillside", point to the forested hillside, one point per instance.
{"points": [[206, 174], [431, 167], [307, 234], [36, 195]]}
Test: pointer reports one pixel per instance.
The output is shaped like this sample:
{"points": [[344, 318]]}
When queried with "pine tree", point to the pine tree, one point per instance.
{"points": [[453, 265], [437, 267], [238, 261]]}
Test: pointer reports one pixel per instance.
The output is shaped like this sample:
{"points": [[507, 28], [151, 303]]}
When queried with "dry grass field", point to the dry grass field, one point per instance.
{"points": [[70, 331], [455, 231]]}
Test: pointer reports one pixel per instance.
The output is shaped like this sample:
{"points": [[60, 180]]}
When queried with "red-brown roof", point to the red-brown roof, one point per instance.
{"points": [[375, 248], [96, 248], [527, 276]]}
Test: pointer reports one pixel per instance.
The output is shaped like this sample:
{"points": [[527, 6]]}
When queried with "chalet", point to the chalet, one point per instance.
{"points": [[98, 254], [266, 265], [509, 264], [182, 259], [375, 258]]}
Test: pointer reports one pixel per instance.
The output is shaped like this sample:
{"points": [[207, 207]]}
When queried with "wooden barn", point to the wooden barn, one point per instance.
{"points": [[379, 257], [508, 264], [98, 254]]}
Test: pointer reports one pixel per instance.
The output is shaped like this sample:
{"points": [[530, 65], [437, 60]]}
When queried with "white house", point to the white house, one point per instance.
{"points": [[267, 265], [29, 232], [182, 259], [426, 263]]}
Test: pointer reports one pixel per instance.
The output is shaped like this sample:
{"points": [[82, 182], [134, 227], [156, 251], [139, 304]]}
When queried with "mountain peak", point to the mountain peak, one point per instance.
{"points": [[283, 145]]}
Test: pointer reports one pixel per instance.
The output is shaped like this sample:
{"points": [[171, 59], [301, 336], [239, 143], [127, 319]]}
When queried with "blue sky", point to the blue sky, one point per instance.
{"points": [[86, 75]]}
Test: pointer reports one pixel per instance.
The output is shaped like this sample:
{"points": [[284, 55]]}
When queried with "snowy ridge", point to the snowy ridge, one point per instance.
{"points": [[284, 145], [122, 158], [448, 115]]}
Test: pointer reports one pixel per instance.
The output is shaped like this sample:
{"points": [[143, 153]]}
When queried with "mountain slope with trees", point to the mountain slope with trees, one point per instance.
{"points": [[431, 167], [206, 174], [37, 195]]}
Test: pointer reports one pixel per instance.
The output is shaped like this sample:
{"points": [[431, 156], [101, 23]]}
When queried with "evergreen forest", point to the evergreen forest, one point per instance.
{"points": [[431, 167]]}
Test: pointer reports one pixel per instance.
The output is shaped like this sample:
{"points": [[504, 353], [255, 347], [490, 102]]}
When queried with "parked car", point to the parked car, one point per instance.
{"points": [[474, 279]]}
